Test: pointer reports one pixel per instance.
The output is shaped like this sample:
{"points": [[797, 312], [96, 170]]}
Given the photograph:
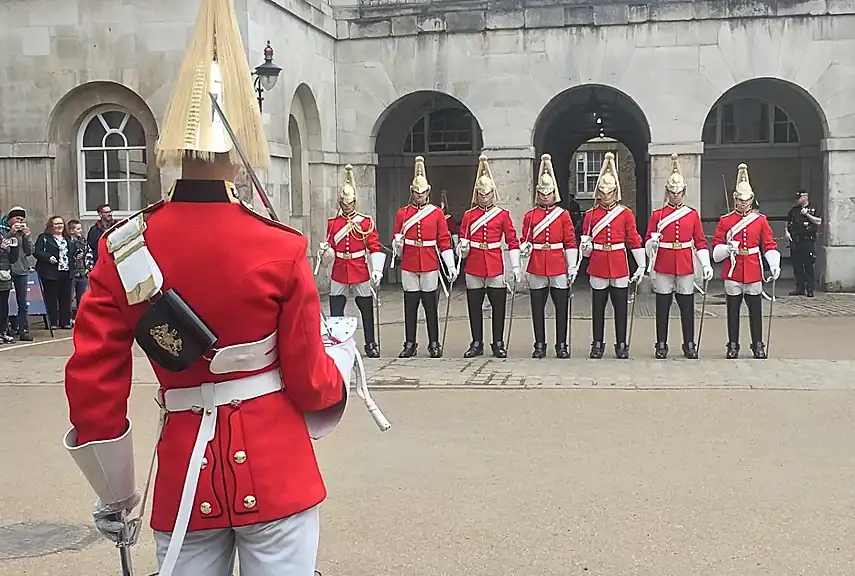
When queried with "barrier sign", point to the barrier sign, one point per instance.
{"points": [[35, 298]]}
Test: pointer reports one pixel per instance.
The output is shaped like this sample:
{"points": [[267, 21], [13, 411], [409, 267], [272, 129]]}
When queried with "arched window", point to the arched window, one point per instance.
{"points": [[445, 130], [111, 162], [749, 121]]}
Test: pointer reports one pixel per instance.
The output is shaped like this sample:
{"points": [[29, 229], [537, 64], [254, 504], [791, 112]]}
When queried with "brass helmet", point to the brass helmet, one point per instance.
{"points": [[743, 191], [608, 181], [546, 181], [347, 194], [484, 182], [675, 183], [215, 63], [420, 183]]}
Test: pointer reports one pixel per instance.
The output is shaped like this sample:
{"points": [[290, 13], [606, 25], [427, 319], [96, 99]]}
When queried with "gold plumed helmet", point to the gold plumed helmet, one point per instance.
{"points": [[546, 181], [675, 182], [347, 194], [484, 182], [420, 183], [743, 191], [215, 63], [608, 179]]}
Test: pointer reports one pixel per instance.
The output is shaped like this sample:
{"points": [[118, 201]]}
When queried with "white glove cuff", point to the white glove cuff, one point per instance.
{"points": [[448, 258], [514, 256], [773, 257], [720, 252], [640, 257], [704, 258]]}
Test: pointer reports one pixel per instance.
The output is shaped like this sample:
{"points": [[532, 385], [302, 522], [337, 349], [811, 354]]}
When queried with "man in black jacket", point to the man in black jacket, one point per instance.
{"points": [[802, 227], [105, 213]]}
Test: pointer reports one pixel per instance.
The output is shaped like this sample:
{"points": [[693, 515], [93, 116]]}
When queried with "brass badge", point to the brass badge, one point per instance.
{"points": [[167, 339]]}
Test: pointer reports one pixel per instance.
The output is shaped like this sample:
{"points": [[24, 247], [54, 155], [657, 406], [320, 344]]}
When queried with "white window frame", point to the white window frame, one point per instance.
{"points": [[582, 158], [424, 120], [81, 162], [718, 113]]}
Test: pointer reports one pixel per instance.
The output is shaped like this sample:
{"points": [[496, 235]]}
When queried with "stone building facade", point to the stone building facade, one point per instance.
{"points": [[84, 83]]}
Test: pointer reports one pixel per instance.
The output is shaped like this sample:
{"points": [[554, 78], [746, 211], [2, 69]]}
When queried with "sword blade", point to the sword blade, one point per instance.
{"points": [[769, 322]]}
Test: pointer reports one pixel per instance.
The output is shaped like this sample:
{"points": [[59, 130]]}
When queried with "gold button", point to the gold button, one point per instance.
{"points": [[249, 501], [204, 463], [240, 456], [205, 508]]}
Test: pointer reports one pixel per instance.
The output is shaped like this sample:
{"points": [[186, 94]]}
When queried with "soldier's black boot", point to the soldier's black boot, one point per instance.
{"points": [[499, 350], [337, 304], [597, 350], [621, 351], [539, 350], [734, 303], [498, 302], [759, 350], [410, 350], [732, 351], [434, 350], [799, 291], [561, 300], [661, 350], [429, 304], [538, 320], [372, 350], [562, 351], [411, 315], [474, 303], [663, 311], [366, 308], [755, 325], [475, 349], [620, 304], [686, 303], [690, 350], [599, 298]]}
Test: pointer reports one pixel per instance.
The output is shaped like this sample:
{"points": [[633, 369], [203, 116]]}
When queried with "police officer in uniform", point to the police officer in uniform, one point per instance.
{"points": [[802, 226]]}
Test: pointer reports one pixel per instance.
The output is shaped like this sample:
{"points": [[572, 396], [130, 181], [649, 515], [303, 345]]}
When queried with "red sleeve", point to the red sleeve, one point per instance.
{"points": [[399, 222], [452, 225], [699, 237], [767, 239], [98, 374], [464, 226], [633, 238], [586, 224], [443, 237], [720, 236], [311, 378], [373, 239], [569, 232], [329, 230], [526, 228], [510, 233], [652, 224]]}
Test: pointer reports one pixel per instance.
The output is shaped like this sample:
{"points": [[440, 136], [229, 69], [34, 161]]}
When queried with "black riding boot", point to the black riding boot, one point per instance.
{"points": [[620, 304], [538, 320], [561, 301], [337, 304], [498, 303], [599, 298], [686, 303], [755, 324], [366, 307], [411, 316], [663, 311], [474, 301], [430, 301], [734, 303]]}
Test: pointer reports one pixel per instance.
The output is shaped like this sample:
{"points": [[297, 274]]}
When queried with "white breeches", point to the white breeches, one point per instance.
{"points": [[669, 283], [603, 283], [536, 282], [732, 288], [363, 289], [474, 282], [420, 281], [287, 546]]}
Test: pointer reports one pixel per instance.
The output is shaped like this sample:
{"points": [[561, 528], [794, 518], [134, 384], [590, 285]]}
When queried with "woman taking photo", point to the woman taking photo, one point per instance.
{"points": [[8, 254], [55, 255]]}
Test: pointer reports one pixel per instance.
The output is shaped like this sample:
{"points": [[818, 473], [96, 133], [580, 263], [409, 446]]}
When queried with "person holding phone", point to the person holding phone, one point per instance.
{"points": [[20, 236], [8, 253]]}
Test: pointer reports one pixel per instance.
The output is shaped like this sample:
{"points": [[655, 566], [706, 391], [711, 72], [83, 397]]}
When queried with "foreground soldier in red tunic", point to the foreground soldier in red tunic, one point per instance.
{"points": [[675, 237], [420, 239], [237, 469], [353, 248], [549, 242], [742, 238], [481, 232], [609, 234]]}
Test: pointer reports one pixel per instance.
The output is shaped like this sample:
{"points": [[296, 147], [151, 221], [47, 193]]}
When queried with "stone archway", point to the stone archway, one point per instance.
{"points": [[578, 126], [440, 128], [307, 199], [63, 129]]}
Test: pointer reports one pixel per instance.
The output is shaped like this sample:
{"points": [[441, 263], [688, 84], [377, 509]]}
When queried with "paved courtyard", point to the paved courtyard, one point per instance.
{"points": [[521, 467]]}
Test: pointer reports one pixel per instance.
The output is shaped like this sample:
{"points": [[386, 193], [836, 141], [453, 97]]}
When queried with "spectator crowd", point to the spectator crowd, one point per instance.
{"points": [[61, 256]]}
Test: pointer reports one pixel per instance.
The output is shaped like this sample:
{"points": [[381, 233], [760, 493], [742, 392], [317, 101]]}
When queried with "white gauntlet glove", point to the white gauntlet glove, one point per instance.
{"points": [[398, 245], [326, 253], [706, 266], [586, 246], [525, 249], [106, 517], [463, 248]]}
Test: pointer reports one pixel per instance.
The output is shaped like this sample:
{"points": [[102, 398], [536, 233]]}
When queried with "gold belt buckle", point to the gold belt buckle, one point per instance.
{"points": [[547, 246], [743, 252], [419, 242], [607, 247], [678, 245], [346, 256], [484, 246]]}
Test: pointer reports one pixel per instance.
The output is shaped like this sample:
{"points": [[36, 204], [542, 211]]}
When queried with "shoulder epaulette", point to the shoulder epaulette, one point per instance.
{"points": [[269, 221], [147, 210]]}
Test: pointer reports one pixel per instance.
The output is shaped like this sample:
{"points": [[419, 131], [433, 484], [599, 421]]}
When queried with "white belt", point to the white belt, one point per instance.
{"points": [[204, 400], [420, 243], [485, 245], [747, 251], [677, 245], [609, 247], [350, 255], [744, 252], [548, 246]]}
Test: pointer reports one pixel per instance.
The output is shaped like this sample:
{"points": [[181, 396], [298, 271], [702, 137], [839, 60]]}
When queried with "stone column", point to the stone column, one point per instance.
{"points": [[513, 170], [836, 258], [690, 165]]}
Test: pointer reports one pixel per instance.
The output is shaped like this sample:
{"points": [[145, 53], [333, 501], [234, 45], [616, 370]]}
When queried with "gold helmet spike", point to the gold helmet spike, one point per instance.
{"points": [[347, 194], [215, 63], [743, 191], [484, 180], [420, 183], [675, 182], [608, 179], [546, 179]]}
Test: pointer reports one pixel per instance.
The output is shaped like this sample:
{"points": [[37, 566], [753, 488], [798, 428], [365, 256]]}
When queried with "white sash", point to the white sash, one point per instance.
{"points": [[601, 225], [482, 221], [417, 217], [546, 223], [345, 230], [741, 225], [673, 217]]}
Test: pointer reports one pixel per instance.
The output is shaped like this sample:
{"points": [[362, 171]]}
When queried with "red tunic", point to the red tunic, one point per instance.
{"points": [[351, 249], [675, 255], [451, 223], [422, 238], [612, 243], [547, 257], [754, 240], [485, 249], [243, 296]]}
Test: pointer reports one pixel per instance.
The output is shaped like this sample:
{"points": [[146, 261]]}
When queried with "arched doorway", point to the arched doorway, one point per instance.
{"points": [[777, 129], [579, 126], [444, 131]]}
